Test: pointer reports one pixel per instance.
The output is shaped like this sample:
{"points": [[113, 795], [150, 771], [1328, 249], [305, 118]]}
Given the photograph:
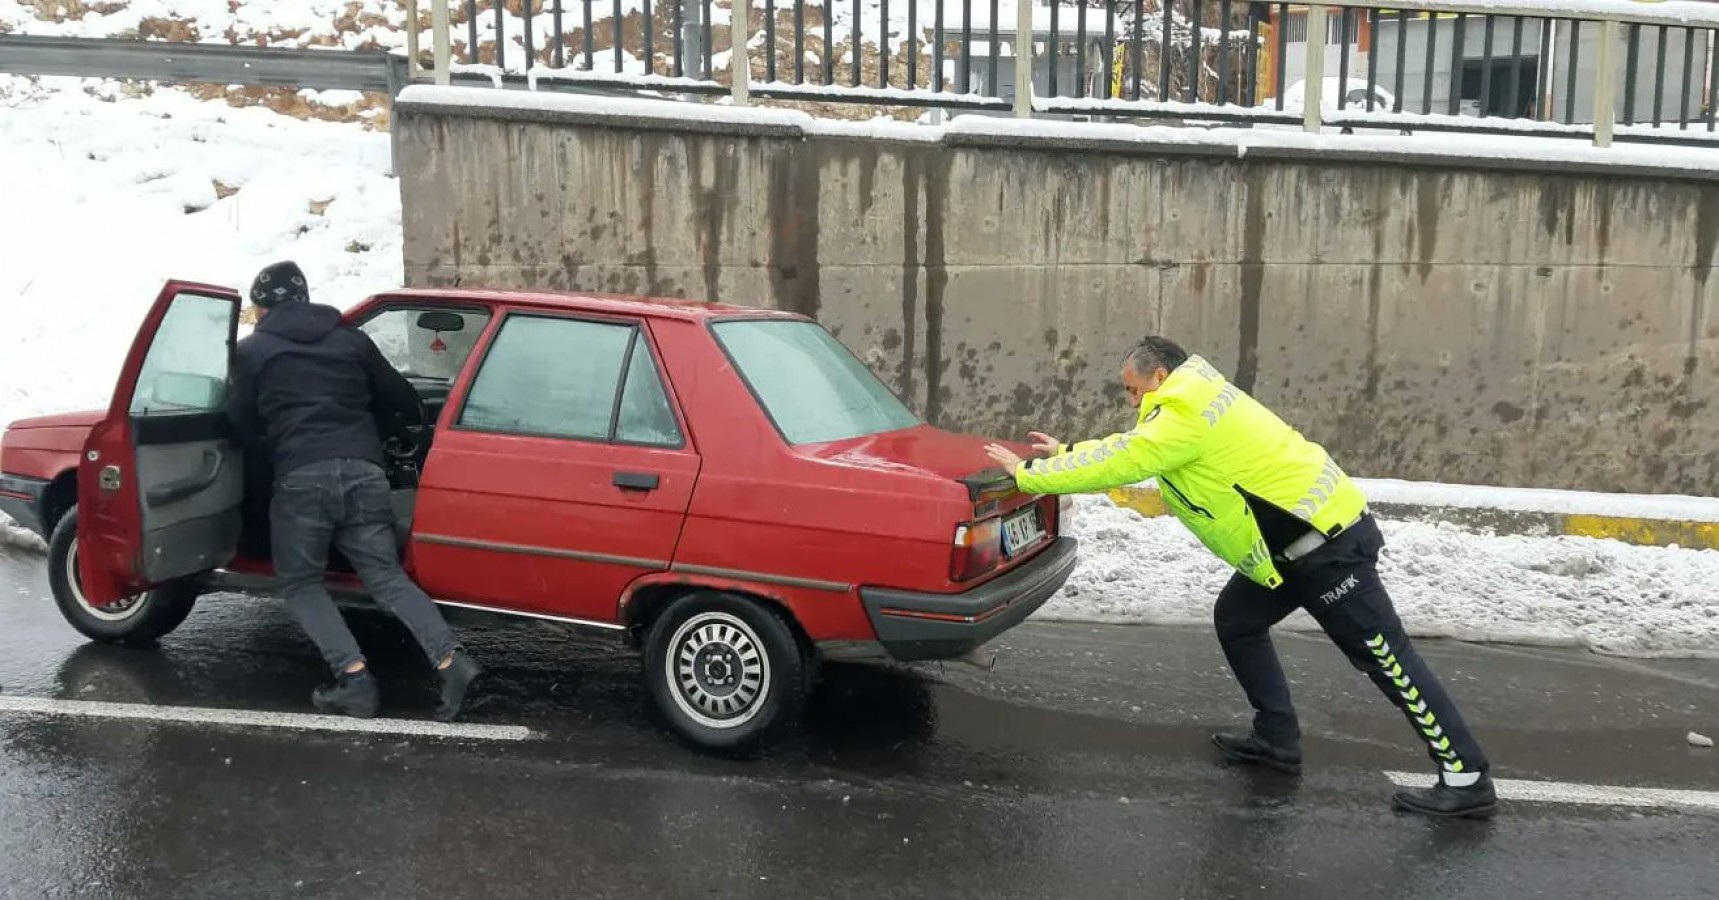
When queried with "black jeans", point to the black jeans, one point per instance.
{"points": [[1339, 585], [346, 503]]}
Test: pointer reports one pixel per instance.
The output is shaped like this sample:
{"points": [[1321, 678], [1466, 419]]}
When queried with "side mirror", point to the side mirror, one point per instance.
{"points": [[187, 391], [441, 322]]}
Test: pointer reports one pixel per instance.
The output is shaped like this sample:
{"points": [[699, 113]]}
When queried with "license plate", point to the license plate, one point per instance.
{"points": [[1021, 531]]}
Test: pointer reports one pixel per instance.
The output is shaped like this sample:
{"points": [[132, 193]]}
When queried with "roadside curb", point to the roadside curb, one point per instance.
{"points": [[1631, 530]]}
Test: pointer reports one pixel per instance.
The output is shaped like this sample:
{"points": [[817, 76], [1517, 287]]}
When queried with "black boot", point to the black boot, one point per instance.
{"points": [[1477, 800], [1246, 748], [352, 694], [456, 680]]}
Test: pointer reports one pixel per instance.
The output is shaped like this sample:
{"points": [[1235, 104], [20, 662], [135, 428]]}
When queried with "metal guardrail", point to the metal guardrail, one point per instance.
{"points": [[1478, 66], [1486, 66], [331, 69]]}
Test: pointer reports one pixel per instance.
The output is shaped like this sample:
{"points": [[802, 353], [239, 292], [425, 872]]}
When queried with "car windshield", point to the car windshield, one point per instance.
{"points": [[424, 342], [810, 385]]}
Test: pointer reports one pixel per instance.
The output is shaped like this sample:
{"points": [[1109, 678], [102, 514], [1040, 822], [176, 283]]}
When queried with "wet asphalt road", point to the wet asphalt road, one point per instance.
{"points": [[1078, 768]]}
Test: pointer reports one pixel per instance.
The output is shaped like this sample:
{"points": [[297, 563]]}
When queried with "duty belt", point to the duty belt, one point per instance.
{"points": [[1313, 540]]}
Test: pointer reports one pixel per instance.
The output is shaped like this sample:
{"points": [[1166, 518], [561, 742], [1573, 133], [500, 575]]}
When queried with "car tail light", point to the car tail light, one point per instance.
{"points": [[978, 549]]}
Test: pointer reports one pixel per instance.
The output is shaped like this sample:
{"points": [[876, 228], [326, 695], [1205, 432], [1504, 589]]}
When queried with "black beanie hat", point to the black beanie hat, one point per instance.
{"points": [[280, 283]]}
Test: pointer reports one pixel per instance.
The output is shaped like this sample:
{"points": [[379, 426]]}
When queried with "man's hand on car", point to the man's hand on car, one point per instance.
{"points": [[1044, 443], [1003, 456]]}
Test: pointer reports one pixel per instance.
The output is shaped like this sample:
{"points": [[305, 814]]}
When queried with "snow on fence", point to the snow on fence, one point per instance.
{"points": [[1601, 70]]}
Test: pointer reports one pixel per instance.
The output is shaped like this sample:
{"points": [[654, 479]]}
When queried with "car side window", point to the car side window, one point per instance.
{"points": [[552, 377], [645, 414], [185, 369]]}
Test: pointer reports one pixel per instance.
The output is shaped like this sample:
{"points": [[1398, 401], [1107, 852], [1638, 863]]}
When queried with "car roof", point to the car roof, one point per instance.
{"points": [[587, 301]]}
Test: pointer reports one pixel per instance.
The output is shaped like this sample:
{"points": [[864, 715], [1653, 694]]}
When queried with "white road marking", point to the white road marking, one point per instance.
{"points": [[303, 721], [1582, 794]]}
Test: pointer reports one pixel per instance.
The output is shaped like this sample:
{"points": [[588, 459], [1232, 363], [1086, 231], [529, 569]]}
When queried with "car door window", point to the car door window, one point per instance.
{"points": [[646, 417], [185, 369], [552, 377]]}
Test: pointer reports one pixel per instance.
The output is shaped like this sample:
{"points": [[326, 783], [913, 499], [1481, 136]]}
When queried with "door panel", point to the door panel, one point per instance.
{"points": [[562, 474], [160, 483]]}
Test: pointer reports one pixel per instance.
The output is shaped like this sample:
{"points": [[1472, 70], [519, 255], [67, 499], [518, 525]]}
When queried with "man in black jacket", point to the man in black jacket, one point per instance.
{"points": [[307, 394]]}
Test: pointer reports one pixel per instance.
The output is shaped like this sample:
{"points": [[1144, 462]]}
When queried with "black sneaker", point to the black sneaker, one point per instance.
{"points": [[352, 694], [1477, 801], [456, 680], [1245, 748]]}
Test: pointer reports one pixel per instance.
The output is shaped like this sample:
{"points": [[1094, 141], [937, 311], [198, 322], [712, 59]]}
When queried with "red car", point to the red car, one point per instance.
{"points": [[730, 488]]}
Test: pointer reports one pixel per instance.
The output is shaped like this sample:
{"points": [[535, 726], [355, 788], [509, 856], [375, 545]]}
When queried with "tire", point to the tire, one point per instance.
{"points": [[136, 620], [702, 654]]}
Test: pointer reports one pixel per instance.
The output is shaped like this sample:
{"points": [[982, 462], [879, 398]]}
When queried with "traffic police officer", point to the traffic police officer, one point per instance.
{"points": [[1274, 506]]}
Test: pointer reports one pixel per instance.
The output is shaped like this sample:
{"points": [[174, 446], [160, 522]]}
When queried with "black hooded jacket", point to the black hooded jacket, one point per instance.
{"points": [[307, 388]]}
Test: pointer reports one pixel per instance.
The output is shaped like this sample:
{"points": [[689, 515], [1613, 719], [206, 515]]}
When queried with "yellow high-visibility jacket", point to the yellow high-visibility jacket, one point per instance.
{"points": [[1206, 441]]}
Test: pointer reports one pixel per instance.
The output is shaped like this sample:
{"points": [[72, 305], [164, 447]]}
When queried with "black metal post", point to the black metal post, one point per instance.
{"points": [[1486, 67], [679, 38], [799, 41], [883, 43], [590, 52], [1373, 57], [1427, 74], [500, 36], [1080, 51], [856, 37], [1050, 45], [650, 38], [1632, 56], [1575, 57], [1165, 41], [1688, 74], [1543, 80], [937, 39], [1659, 78], [991, 79], [912, 42], [1402, 57], [769, 32], [1343, 21], [966, 46], [530, 46], [1456, 63], [709, 50], [1194, 23], [1713, 86], [1223, 52], [618, 34], [559, 53], [1515, 92], [471, 31], [829, 53], [1282, 49]]}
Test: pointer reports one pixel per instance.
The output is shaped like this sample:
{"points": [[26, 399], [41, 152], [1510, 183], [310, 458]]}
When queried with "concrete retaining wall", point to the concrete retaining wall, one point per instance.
{"points": [[1477, 321]]}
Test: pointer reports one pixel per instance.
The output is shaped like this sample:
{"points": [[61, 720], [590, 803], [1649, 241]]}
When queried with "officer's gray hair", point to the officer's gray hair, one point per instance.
{"points": [[1154, 352]]}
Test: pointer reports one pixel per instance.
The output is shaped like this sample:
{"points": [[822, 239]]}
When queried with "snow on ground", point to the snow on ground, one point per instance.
{"points": [[110, 200], [1604, 595]]}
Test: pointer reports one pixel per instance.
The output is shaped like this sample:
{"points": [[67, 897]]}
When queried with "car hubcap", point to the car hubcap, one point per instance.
{"points": [[718, 669], [118, 611]]}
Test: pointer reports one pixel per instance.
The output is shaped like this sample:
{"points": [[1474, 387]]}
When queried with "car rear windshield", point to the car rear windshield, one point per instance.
{"points": [[810, 385]]}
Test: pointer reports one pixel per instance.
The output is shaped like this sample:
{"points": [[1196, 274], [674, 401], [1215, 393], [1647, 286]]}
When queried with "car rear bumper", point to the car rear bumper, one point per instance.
{"points": [[914, 626], [21, 501]]}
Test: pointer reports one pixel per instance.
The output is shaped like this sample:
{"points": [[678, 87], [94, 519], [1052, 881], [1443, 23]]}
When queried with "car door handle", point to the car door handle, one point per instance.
{"points": [[636, 481]]}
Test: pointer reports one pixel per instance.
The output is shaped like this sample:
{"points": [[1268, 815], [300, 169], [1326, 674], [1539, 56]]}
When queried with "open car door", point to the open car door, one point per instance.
{"points": [[160, 483]]}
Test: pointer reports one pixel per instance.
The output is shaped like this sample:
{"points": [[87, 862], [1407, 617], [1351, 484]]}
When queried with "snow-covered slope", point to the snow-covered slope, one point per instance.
{"points": [[106, 201]]}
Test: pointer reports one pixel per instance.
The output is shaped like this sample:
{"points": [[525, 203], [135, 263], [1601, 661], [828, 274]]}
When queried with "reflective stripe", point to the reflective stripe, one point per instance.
{"points": [[1329, 477], [1431, 731], [1220, 404]]}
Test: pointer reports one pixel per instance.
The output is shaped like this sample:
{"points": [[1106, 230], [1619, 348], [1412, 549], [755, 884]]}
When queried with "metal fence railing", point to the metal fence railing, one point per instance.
{"points": [[1598, 69]]}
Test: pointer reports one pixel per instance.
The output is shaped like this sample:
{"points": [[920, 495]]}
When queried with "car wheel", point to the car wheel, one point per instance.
{"points": [[138, 619], [726, 672]]}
